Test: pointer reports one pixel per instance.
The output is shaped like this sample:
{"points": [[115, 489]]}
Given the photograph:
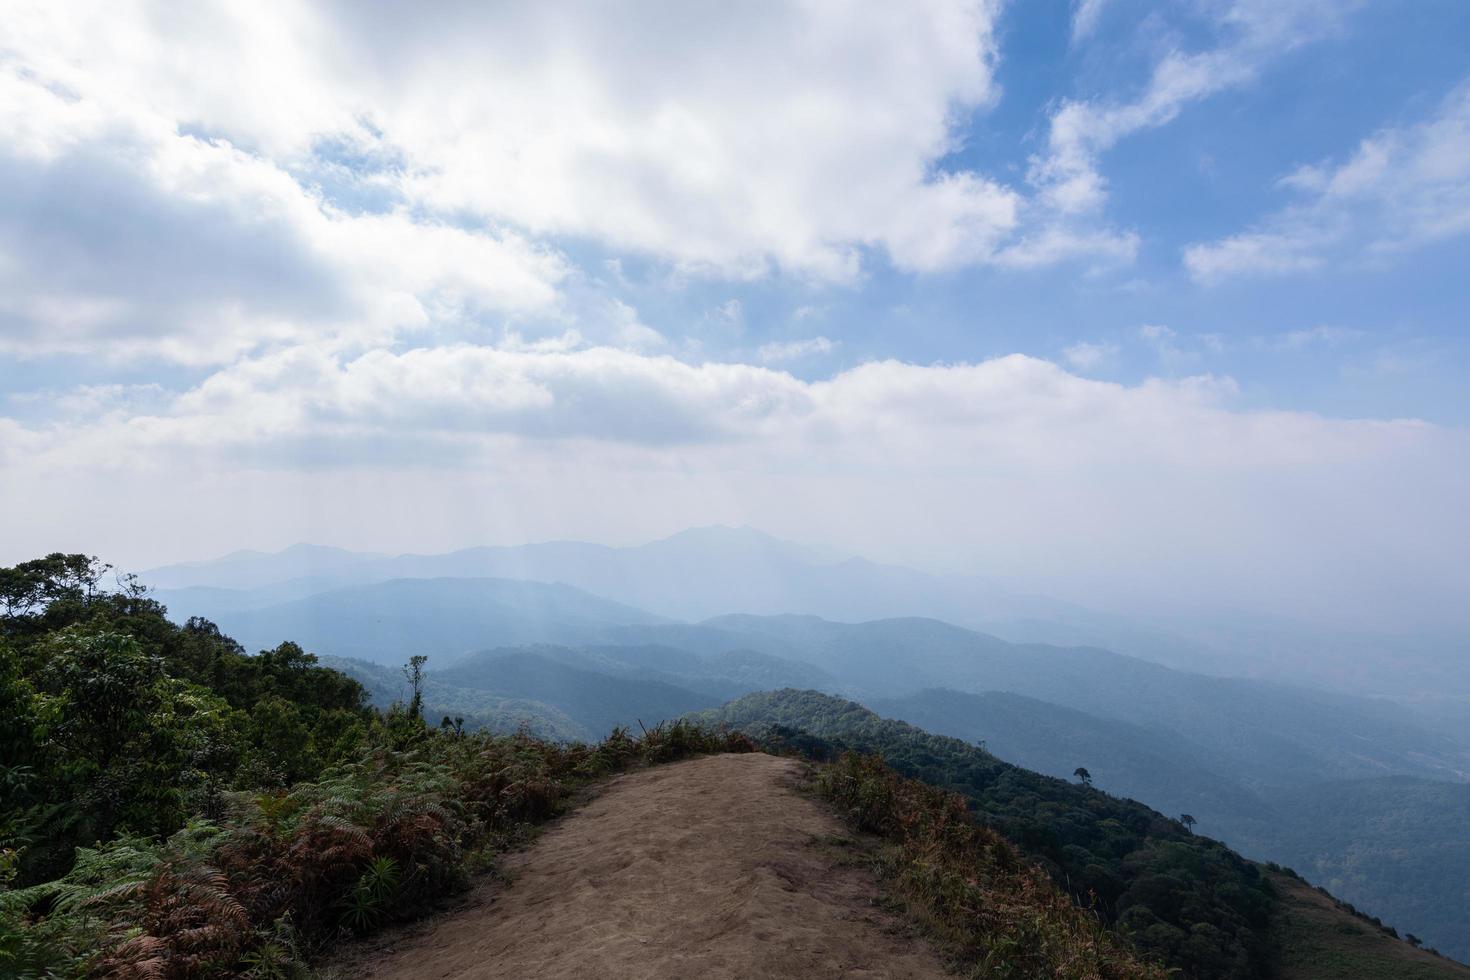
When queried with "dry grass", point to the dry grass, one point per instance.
{"points": [[967, 886]]}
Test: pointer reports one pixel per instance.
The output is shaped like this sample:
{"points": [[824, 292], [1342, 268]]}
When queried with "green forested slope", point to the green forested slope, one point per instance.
{"points": [[1255, 732], [1395, 847], [1396, 843], [1158, 767]]}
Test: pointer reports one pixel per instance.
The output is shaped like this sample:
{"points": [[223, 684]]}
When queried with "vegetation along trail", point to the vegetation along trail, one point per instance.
{"points": [[709, 868]]}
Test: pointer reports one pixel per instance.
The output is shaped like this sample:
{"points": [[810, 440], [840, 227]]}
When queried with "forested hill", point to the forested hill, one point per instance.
{"points": [[1184, 898]]}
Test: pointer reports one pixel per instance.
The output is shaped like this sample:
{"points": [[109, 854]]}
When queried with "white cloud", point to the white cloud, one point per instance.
{"points": [[123, 237], [627, 331], [1256, 253], [1254, 32], [627, 125], [1085, 17], [1054, 242], [467, 393], [1180, 354], [357, 221], [1156, 332], [567, 340], [459, 394], [90, 402], [1063, 218], [731, 312], [1403, 188], [1087, 356], [791, 350], [244, 178], [1295, 340]]}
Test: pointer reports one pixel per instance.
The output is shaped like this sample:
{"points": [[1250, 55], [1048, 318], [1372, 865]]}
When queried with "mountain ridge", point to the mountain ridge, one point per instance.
{"points": [[710, 571]]}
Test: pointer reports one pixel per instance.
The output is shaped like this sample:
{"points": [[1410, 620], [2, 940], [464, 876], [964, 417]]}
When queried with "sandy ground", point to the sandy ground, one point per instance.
{"points": [[710, 868]]}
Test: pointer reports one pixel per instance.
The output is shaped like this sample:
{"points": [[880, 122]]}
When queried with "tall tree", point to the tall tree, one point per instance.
{"points": [[414, 672]]}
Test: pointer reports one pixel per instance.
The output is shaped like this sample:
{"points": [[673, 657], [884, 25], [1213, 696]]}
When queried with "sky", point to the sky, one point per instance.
{"points": [[1126, 302]]}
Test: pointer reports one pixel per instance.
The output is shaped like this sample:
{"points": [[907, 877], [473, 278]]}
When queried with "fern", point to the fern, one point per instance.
{"points": [[369, 899]]}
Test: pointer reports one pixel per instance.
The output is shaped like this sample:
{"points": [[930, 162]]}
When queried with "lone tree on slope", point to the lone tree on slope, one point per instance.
{"points": [[413, 672], [1083, 775], [1188, 822]]}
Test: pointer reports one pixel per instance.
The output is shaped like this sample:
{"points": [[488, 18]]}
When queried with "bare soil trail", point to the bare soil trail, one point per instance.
{"points": [[709, 868]]}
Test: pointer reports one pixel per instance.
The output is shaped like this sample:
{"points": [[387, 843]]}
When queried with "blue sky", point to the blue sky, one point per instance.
{"points": [[1116, 299], [1387, 340]]}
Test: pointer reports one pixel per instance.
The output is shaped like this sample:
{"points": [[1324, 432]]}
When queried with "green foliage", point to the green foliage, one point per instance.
{"points": [[371, 897], [113, 720], [1395, 846]]}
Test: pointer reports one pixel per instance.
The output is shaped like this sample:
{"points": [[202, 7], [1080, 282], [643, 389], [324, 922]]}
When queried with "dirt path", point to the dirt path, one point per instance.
{"points": [[705, 868]]}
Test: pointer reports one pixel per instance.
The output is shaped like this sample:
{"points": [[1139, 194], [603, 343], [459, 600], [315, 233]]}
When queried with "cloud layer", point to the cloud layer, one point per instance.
{"points": [[195, 185], [120, 235], [1107, 487]]}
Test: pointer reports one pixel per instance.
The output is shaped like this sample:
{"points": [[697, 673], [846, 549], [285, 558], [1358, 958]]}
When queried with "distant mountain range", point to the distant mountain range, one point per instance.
{"points": [[1257, 731], [693, 575], [387, 622], [707, 572]]}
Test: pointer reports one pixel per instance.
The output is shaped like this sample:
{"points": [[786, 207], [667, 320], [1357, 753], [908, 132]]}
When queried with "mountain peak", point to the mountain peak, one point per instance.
{"points": [[744, 539]]}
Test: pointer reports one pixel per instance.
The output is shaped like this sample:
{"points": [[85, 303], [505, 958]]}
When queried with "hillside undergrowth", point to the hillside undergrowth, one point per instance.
{"points": [[999, 914], [281, 875]]}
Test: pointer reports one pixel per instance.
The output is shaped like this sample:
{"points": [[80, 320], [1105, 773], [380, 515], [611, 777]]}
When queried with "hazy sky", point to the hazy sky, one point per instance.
{"points": [[1120, 300]]}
